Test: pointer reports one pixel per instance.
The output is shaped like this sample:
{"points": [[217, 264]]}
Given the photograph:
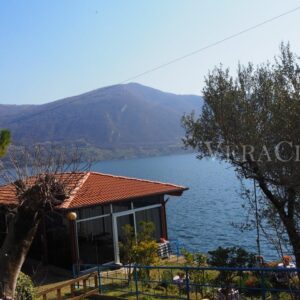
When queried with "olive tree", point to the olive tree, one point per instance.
{"points": [[251, 120]]}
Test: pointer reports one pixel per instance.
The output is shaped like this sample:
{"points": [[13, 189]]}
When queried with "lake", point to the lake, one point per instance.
{"points": [[201, 218]]}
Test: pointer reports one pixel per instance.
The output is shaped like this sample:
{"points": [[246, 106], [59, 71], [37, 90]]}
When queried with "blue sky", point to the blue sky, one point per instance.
{"points": [[53, 49]]}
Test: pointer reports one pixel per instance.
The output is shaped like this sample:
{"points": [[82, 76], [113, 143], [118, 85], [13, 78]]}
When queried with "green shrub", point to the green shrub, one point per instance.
{"points": [[160, 288], [250, 283], [172, 289], [166, 278], [236, 257], [25, 288], [197, 259]]}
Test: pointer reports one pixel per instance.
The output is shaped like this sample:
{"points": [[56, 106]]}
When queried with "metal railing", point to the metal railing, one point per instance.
{"points": [[177, 246], [184, 282]]}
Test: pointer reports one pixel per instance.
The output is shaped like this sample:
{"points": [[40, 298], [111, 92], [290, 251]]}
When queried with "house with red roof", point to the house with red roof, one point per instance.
{"points": [[86, 227]]}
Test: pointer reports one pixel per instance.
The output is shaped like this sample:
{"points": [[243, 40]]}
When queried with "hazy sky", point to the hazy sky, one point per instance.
{"points": [[52, 49]]}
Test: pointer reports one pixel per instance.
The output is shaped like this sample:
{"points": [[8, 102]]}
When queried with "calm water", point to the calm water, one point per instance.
{"points": [[202, 217]]}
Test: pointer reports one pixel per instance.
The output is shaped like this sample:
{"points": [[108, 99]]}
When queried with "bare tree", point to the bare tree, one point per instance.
{"points": [[41, 180]]}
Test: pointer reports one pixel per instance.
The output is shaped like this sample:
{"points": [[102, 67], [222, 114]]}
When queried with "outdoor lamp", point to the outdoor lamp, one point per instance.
{"points": [[72, 216]]}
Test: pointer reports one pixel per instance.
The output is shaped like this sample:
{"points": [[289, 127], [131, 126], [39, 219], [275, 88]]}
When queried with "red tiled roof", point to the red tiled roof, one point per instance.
{"points": [[90, 188]]}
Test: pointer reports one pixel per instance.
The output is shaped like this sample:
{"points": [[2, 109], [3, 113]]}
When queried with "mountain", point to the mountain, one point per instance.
{"points": [[115, 117]]}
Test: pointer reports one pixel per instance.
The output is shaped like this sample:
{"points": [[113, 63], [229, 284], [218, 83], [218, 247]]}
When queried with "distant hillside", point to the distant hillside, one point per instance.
{"points": [[127, 116]]}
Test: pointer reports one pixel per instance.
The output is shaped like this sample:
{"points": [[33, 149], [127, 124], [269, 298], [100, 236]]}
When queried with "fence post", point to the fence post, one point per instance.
{"points": [[187, 284], [72, 288], [262, 278], [136, 282], [99, 281], [58, 294]]}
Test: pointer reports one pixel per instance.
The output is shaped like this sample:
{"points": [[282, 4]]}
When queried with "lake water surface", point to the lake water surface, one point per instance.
{"points": [[202, 217]]}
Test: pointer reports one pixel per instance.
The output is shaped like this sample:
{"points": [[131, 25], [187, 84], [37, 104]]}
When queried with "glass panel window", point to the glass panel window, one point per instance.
{"points": [[122, 221], [150, 215], [57, 241], [95, 241], [2, 226], [85, 213], [141, 202], [106, 209], [121, 206]]}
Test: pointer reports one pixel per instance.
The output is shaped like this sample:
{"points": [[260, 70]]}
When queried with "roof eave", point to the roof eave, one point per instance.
{"points": [[177, 193], [170, 193]]}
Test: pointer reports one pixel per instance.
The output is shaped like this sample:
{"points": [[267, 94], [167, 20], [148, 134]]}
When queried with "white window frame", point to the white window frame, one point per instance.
{"points": [[115, 232]]}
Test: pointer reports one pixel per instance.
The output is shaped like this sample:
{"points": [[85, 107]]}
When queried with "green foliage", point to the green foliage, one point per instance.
{"points": [[166, 278], [145, 252], [146, 231], [261, 106], [194, 259], [230, 257], [250, 282], [198, 277], [25, 288], [188, 257], [127, 244], [140, 249], [5, 140]]}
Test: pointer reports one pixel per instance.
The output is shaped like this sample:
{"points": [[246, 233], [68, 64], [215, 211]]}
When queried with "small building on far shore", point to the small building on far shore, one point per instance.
{"points": [[86, 228]]}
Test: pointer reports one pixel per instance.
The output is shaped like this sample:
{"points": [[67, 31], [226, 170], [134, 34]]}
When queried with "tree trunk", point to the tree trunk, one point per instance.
{"points": [[286, 218], [21, 232], [294, 237], [44, 194]]}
